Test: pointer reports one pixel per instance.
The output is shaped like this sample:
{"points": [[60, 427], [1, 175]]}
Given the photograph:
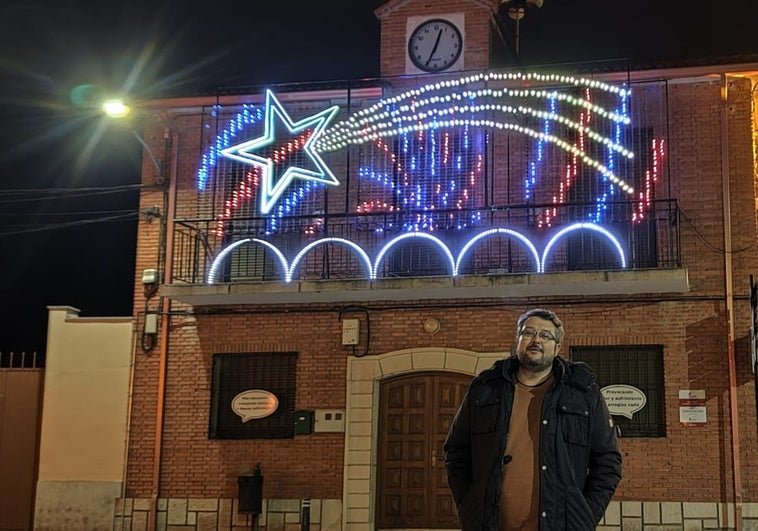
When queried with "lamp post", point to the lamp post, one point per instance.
{"points": [[118, 109]]}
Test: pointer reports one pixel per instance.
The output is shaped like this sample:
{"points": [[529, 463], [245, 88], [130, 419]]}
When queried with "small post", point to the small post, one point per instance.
{"points": [[305, 515]]}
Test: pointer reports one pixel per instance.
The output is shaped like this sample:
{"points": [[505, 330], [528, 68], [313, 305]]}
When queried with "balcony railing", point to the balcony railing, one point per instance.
{"points": [[497, 240]]}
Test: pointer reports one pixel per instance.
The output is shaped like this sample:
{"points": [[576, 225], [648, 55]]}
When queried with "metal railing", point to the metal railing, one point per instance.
{"points": [[408, 243]]}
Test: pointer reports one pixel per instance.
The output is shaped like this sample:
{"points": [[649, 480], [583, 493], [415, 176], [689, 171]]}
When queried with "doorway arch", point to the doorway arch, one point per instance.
{"points": [[364, 377]]}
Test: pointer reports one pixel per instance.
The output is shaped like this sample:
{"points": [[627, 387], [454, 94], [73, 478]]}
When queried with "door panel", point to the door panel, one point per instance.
{"points": [[415, 412]]}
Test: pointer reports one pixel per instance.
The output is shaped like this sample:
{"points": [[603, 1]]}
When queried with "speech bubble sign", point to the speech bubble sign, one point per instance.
{"points": [[254, 404], [623, 400]]}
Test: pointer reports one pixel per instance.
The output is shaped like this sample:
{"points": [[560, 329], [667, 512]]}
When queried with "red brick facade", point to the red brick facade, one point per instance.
{"points": [[690, 464]]}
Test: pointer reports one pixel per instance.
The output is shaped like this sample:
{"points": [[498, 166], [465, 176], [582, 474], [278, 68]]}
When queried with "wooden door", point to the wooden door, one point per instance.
{"points": [[414, 416]]}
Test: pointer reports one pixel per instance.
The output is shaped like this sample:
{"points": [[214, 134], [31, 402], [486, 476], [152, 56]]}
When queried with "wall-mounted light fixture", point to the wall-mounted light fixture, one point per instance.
{"points": [[432, 325]]}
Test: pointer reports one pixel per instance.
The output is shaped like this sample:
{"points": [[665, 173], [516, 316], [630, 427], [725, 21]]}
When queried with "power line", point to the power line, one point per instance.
{"points": [[68, 224], [62, 193], [61, 214]]}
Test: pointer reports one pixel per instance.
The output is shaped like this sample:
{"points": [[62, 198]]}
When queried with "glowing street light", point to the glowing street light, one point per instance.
{"points": [[115, 108]]}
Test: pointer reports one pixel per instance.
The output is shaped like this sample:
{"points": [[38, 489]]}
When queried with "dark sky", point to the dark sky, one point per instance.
{"points": [[58, 247]]}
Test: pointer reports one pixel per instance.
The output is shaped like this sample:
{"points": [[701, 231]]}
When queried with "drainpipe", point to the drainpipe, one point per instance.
{"points": [[128, 430], [165, 313], [729, 288]]}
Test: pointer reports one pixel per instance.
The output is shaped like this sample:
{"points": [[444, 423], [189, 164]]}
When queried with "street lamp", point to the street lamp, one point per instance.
{"points": [[116, 108]]}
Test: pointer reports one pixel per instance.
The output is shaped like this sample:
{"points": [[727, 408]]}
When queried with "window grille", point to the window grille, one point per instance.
{"points": [[265, 371], [640, 366]]}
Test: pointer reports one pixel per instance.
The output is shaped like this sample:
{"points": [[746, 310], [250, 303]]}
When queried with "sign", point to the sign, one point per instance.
{"points": [[623, 400], [692, 407], [692, 415], [254, 404]]}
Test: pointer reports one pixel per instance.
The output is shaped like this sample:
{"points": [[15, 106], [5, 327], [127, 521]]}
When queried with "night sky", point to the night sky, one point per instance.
{"points": [[60, 246]]}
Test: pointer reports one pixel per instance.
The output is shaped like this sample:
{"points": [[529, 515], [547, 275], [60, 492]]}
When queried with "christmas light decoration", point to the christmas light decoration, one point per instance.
{"points": [[578, 226], [277, 171], [372, 267], [247, 116], [423, 158]]}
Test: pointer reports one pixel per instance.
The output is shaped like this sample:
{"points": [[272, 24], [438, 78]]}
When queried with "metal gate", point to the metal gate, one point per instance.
{"points": [[21, 384]]}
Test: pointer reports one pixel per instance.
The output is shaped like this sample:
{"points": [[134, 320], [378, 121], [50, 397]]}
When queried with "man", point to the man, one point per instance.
{"points": [[533, 446]]}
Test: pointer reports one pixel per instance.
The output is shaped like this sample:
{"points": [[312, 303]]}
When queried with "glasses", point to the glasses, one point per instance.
{"points": [[530, 333]]}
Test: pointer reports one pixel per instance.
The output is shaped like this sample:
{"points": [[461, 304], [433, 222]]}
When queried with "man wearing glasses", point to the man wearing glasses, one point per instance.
{"points": [[533, 446]]}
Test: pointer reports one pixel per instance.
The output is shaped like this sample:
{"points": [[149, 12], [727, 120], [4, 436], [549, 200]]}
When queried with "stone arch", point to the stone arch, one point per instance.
{"points": [[364, 375]]}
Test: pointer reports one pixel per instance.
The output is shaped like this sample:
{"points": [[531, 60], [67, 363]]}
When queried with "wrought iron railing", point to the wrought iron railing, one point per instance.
{"points": [[495, 240]]}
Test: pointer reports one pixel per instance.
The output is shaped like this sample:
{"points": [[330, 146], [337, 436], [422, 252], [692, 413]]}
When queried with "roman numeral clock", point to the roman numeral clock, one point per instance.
{"points": [[435, 43]]}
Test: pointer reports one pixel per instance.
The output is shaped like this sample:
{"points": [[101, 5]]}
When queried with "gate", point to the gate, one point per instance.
{"points": [[20, 404]]}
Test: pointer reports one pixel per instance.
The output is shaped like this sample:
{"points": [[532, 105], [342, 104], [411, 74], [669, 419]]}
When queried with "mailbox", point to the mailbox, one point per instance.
{"points": [[251, 492]]}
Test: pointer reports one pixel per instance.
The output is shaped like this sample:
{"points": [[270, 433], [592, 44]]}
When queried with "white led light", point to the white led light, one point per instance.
{"points": [[357, 248], [422, 235], [577, 226], [272, 188]]}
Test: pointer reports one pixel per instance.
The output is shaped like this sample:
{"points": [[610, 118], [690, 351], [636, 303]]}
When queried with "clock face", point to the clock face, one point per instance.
{"points": [[435, 45]]}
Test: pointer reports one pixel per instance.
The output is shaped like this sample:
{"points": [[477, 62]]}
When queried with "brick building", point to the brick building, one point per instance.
{"points": [[335, 262]]}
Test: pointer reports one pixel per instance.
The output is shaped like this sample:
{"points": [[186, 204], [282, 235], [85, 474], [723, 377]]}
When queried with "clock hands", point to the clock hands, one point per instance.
{"points": [[436, 43]]}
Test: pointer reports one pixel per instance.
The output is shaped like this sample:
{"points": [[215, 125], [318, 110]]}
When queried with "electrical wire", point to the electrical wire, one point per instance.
{"points": [[72, 213], [709, 244], [68, 224], [21, 191], [58, 194]]}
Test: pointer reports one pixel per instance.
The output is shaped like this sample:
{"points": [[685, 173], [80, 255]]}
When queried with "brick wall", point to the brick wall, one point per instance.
{"points": [[394, 43], [689, 465]]}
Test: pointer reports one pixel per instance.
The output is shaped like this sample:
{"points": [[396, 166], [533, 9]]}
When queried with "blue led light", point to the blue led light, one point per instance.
{"points": [[273, 186], [247, 116]]}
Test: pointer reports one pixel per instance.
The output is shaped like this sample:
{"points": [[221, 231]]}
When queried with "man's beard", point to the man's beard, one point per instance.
{"points": [[535, 364]]}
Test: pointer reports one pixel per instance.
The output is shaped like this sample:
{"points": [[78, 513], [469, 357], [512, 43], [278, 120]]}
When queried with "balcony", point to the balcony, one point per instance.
{"points": [[560, 189], [503, 252]]}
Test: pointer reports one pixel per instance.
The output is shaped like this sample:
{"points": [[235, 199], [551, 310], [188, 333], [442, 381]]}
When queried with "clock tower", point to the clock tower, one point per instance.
{"points": [[421, 36]]}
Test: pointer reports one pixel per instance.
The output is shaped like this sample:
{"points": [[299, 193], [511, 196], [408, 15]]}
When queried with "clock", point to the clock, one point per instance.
{"points": [[435, 45]]}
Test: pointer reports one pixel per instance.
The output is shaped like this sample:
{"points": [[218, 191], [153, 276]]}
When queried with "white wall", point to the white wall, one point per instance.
{"points": [[84, 411]]}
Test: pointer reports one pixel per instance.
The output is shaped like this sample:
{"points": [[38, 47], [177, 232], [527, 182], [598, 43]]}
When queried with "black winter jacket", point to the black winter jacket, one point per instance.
{"points": [[580, 463]]}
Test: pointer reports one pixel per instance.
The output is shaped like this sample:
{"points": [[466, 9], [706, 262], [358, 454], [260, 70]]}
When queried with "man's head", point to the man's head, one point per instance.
{"points": [[539, 333]]}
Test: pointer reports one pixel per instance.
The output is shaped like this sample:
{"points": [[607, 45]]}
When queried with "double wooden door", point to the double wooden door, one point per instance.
{"points": [[414, 416]]}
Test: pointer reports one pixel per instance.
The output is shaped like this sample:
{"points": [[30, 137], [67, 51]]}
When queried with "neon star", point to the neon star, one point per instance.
{"points": [[272, 186]]}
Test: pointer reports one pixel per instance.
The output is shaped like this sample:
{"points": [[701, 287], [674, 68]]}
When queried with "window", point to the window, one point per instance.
{"points": [[639, 366], [261, 376]]}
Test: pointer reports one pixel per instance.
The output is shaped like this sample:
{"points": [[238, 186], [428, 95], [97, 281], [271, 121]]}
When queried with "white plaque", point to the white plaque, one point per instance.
{"points": [[254, 404], [692, 415], [623, 400]]}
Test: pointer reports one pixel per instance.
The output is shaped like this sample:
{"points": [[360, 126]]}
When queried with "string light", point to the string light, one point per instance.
{"points": [[372, 267], [436, 165]]}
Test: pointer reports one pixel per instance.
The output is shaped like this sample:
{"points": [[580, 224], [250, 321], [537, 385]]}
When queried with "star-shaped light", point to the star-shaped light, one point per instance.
{"points": [[273, 186]]}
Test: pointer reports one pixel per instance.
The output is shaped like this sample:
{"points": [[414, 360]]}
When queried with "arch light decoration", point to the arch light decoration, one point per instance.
{"points": [[523, 239], [216, 264], [372, 267], [288, 270], [358, 249], [579, 226], [422, 235]]}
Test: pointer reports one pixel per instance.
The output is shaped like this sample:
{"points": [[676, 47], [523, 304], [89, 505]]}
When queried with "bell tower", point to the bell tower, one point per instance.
{"points": [[421, 36]]}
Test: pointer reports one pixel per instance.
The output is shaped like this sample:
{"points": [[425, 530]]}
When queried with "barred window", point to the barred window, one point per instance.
{"points": [[639, 366], [260, 376]]}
